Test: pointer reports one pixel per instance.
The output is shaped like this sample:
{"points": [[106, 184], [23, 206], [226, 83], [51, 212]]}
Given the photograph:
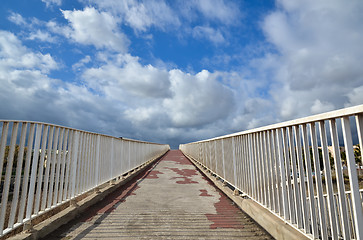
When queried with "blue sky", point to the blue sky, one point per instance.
{"points": [[178, 71]]}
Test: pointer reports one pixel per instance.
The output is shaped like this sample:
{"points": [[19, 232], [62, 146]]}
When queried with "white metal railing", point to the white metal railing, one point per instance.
{"points": [[274, 165], [43, 165]]}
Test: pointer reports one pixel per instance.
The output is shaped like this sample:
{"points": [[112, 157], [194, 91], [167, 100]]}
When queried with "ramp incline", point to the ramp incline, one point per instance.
{"points": [[170, 200]]}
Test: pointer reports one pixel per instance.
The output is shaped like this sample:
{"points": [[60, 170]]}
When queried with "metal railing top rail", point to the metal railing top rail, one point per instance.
{"points": [[75, 129], [314, 118]]}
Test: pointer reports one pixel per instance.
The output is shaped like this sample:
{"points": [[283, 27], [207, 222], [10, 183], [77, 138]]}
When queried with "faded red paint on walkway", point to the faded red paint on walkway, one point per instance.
{"points": [[170, 200]]}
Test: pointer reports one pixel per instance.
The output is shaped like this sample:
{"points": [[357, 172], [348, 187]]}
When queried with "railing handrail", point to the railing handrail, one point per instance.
{"points": [[344, 112], [80, 130]]}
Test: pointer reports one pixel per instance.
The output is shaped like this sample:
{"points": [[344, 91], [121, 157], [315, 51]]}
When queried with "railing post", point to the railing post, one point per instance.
{"points": [[74, 160], [33, 172], [340, 180], [234, 162], [223, 164], [111, 160], [282, 172], [353, 178], [97, 159], [5, 192]]}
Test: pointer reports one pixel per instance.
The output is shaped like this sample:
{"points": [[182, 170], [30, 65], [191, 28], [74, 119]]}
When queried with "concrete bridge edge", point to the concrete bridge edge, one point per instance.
{"points": [[274, 225]]}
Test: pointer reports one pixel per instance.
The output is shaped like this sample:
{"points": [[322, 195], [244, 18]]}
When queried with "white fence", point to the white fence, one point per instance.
{"points": [[45, 165], [279, 166]]}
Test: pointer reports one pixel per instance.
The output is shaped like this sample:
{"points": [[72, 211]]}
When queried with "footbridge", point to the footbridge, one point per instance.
{"points": [[300, 179]]}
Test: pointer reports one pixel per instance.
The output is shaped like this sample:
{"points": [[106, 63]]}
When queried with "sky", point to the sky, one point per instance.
{"points": [[178, 71]]}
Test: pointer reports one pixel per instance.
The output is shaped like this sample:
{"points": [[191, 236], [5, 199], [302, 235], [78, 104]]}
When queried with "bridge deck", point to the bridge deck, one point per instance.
{"points": [[171, 200]]}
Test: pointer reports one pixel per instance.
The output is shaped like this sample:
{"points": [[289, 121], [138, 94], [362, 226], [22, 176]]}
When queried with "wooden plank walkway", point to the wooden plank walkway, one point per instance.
{"points": [[171, 200]]}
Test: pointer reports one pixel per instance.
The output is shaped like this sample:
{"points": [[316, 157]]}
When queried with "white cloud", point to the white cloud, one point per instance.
{"points": [[141, 15], [17, 19], [42, 36], [317, 67], [321, 107], [355, 97], [14, 55], [219, 10], [198, 99], [50, 3], [80, 64], [123, 73], [202, 32], [91, 27]]}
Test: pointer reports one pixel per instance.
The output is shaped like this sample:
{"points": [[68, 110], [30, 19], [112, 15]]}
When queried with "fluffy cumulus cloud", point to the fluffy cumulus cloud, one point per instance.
{"points": [[91, 27], [198, 99], [15, 56], [23, 75], [176, 98], [122, 75], [319, 45]]}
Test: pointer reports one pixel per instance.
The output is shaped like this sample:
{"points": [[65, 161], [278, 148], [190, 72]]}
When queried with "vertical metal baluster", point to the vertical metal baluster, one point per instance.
{"points": [[98, 159], [41, 170], [215, 155], [283, 177], [8, 173], [319, 186], [244, 164], [258, 167], [66, 194], [247, 168], [310, 181], [129, 157], [24, 188], [83, 169], [297, 199], [359, 123], [272, 171], [47, 168], [58, 162], [4, 136], [267, 171], [79, 163], [63, 165], [302, 180], [53, 164], [33, 175], [251, 164], [290, 200], [279, 206], [328, 180], [74, 161], [263, 170], [353, 178], [223, 164], [234, 162], [111, 159], [19, 167]]}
